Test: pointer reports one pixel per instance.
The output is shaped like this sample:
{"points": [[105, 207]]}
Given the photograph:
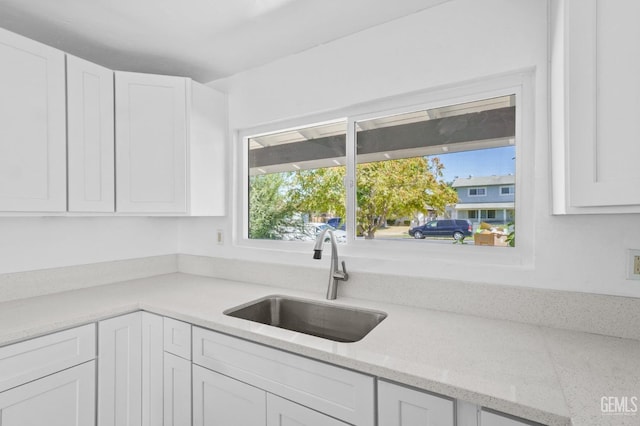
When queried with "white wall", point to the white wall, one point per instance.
{"points": [[30, 243], [457, 41]]}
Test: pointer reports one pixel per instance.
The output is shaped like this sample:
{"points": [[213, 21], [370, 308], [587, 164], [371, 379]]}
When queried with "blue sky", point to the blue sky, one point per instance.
{"points": [[484, 162]]}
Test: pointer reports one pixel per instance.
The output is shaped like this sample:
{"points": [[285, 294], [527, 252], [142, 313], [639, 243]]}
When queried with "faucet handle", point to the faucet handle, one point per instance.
{"points": [[344, 271]]}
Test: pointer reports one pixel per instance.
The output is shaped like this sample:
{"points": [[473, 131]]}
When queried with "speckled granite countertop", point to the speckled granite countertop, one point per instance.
{"points": [[551, 376]]}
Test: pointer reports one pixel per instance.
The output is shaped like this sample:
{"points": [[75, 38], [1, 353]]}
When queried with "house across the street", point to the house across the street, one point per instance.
{"points": [[488, 199]]}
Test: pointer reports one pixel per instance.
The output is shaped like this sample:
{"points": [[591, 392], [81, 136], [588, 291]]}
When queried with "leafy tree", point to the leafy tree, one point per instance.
{"points": [[392, 188], [319, 191], [399, 188], [268, 206]]}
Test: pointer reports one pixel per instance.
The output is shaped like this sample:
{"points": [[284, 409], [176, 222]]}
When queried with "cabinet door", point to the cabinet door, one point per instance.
{"points": [[340, 393], [595, 90], [177, 390], [152, 369], [32, 126], [66, 398], [90, 137], [120, 371], [282, 412], [402, 406], [207, 153], [151, 138], [220, 400], [177, 338], [29, 360]]}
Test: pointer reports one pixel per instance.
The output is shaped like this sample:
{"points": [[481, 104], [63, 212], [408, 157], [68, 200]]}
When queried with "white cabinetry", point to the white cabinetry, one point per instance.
{"points": [[169, 146], [170, 134], [152, 369], [402, 406], [151, 143], [120, 371], [282, 412], [177, 338], [49, 380], [177, 390], [177, 373], [595, 106], [32, 126], [337, 392], [90, 142], [220, 400], [66, 398]]}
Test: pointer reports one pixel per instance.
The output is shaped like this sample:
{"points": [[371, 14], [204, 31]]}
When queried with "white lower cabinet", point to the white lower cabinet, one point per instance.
{"points": [[66, 398], [51, 380], [120, 371], [402, 406], [340, 393], [177, 390], [220, 400], [282, 412], [152, 369]]}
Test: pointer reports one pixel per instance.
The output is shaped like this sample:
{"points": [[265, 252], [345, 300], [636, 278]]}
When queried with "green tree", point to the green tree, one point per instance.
{"points": [[268, 206], [318, 191], [384, 189], [399, 188]]}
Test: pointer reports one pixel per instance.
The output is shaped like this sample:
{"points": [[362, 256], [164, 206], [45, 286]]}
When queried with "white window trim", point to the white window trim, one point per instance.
{"points": [[519, 83], [511, 190], [469, 194]]}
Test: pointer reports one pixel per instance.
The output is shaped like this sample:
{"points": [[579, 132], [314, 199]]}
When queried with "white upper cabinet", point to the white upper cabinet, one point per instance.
{"points": [[595, 106], [169, 146], [151, 143], [161, 152], [32, 126], [90, 136]]}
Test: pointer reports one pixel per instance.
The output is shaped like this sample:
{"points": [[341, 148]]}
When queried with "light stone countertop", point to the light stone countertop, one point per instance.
{"points": [[551, 376]]}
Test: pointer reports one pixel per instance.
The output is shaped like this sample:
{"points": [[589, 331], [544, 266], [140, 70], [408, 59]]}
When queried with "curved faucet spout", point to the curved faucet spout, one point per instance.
{"points": [[335, 274]]}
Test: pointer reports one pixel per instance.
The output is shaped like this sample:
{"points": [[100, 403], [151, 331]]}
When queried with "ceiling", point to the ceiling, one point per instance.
{"points": [[202, 39]]}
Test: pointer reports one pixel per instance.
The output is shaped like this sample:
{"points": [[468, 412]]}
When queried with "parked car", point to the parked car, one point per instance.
{"points": [[456, 228]]}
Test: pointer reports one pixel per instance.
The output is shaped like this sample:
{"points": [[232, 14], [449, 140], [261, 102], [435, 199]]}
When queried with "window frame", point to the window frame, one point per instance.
{"points": [[476, 188], [512, 190], [518, 83]]}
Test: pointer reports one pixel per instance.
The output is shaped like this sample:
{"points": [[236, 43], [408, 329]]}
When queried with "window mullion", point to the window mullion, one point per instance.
{"points": [[350, 179]]}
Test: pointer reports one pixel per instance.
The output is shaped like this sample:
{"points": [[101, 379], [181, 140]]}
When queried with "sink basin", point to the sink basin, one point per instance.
{"points": [[337, 323]]}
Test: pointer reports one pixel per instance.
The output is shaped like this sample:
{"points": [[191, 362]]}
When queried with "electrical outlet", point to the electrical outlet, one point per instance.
{"points": [[633, 264], [220, 237]]}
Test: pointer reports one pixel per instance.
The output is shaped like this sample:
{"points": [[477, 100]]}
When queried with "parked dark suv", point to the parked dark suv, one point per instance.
{"points": [[456, 228]]}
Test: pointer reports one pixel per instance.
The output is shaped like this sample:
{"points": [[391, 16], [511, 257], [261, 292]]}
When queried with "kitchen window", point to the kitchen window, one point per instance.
{"points": [[373, 177], [296, 182]]}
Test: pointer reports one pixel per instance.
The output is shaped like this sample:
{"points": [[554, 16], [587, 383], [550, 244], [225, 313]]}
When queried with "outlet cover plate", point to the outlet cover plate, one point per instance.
{"points": [[631, 263]]}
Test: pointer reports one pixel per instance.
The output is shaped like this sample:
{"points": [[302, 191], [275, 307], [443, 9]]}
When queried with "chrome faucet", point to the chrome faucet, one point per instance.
{"points": [[335, 274]]}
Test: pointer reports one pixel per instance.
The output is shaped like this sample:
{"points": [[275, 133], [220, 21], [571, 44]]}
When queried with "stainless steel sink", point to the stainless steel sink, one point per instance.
{"points": [[338, 323]]}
